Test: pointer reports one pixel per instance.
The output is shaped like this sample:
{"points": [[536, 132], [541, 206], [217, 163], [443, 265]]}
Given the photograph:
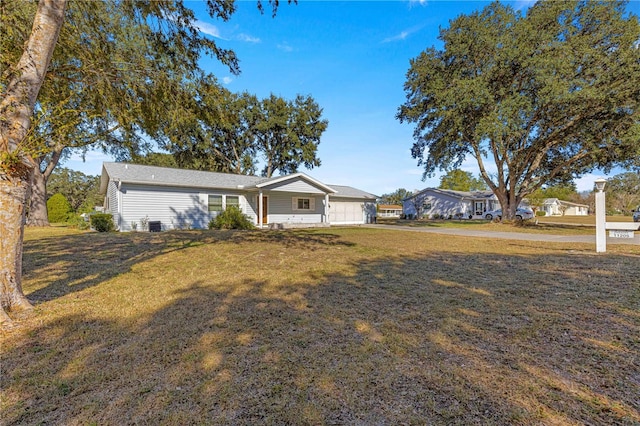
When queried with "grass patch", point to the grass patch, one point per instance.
{"points": [[332, 326], [556, 225]]}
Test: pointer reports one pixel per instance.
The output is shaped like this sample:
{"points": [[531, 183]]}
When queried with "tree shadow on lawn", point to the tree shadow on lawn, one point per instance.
{"points": [[71, 263], [445, 338]]}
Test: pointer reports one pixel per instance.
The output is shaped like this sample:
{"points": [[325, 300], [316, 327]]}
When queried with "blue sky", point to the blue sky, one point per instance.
{"points": [[352, 58]]}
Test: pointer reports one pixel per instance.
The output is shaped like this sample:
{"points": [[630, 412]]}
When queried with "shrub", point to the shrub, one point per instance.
{"points": [[77, 221], [102, 222], [231, 218], [58, 208]]}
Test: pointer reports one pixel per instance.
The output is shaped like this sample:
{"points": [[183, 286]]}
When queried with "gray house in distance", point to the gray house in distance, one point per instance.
{"points": [[444, 203], [183, 199]]}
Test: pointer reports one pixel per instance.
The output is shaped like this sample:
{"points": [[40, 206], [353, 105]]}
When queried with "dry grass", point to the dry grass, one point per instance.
{"points": [[335, 326]]}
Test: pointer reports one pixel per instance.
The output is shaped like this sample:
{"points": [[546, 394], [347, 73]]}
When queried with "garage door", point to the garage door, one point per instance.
{"points": [[345, 213]]}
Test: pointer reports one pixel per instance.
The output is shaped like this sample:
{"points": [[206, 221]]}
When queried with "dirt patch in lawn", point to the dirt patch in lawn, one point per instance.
{"points": [[333, 326]]}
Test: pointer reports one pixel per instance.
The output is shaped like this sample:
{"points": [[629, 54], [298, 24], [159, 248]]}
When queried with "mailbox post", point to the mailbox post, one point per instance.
{"points": [[616, 229], [601, 233]]}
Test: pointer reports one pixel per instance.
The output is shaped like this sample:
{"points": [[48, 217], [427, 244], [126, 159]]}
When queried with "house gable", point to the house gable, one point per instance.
{"points": [[296, 183]]}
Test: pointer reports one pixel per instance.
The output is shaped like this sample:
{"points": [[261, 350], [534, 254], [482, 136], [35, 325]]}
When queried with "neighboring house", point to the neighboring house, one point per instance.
{"points": [[432, 203], [556, 207], [180, 199], [389, 210]]}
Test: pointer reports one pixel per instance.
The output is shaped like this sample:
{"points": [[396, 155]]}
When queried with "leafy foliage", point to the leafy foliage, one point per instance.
{"points": [[459, 180], [288, 133], [214, 131], [395, 197], [547, 96], [623, 192], [102, 222], [58, 208], [80, 189], [231, 218]]}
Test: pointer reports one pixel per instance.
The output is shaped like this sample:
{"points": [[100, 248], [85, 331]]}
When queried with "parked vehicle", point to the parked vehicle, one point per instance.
{"points": [[521, 214], [636, 215]]}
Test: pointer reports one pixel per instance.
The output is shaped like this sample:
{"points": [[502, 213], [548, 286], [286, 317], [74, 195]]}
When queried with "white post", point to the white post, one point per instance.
{"points": [[601, 233], [260, 207], [326, 208]]}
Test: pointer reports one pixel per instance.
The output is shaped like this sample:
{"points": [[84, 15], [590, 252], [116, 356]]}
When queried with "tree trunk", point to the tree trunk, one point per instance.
{"points": [[16, 166], [38, 214], [13, 193], [38, 200]]}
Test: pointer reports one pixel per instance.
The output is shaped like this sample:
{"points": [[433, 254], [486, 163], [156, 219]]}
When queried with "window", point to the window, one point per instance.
{"points": [[215, 203], [233, 200], [426, 206], [303, 203]]}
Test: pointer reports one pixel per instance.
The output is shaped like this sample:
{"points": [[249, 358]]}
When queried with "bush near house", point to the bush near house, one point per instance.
{"points": [[102, 222], [231, 218], [58, 208]]}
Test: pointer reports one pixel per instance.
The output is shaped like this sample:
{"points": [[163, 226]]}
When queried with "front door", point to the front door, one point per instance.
{"points": [[479, 208], [265, 211]]}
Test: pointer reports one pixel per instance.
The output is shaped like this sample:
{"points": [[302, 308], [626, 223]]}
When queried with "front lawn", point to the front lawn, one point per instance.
{"points": [[352, 326]]}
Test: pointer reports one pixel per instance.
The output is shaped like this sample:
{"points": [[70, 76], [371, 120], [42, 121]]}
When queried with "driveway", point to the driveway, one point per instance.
{"points": [[512, 235]]}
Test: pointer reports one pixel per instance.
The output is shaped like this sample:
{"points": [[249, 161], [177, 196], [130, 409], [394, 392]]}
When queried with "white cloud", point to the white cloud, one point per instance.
{"points": [[209, 29], [227, 80], [418, 2], [285, 47], [403, 35], [523, 4], [248, 38]]}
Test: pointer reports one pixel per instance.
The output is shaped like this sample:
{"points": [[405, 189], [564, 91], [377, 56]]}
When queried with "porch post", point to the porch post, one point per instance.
{"points": [[260, 209], [326, 208]]}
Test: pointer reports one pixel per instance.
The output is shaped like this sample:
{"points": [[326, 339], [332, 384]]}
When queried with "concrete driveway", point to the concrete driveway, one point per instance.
{"points": [[513, 235]]}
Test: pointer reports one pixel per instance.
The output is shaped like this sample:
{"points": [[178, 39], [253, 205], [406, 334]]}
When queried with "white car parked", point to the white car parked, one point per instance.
{"points": [[521, 214]]}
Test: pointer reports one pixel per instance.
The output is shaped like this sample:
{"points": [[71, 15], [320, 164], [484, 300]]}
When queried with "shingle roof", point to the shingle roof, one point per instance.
{"points": [[456, 194], [166, 176], [350, 192]]}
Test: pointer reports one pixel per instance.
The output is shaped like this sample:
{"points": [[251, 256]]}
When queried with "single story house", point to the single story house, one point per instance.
{"points": [[444, 203], [138, 195], [389, 210], [556, 207]]}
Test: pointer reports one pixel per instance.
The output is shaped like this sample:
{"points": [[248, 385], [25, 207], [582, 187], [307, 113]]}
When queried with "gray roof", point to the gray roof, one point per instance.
{"points": [[349, 192], [166, 176], [456, 194]]}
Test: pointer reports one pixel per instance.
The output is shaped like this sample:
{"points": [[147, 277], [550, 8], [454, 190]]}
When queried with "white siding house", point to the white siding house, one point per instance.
{"points": [[443, 203], [181, 199], [556, 207]]}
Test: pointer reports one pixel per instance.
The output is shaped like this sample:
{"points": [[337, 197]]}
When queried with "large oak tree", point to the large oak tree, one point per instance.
{"points": [[166, 32], [546, 96]]}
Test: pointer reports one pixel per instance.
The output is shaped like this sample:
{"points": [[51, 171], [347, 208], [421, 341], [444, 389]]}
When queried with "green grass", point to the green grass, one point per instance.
{"points": [[332, 326], [557, 225]]}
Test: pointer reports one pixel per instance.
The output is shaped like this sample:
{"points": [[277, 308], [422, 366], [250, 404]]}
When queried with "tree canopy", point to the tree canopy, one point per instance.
{"points": [[395, 197], [288, 133], [546, 96], [81, 190], [623, 192], [459, 180]]}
